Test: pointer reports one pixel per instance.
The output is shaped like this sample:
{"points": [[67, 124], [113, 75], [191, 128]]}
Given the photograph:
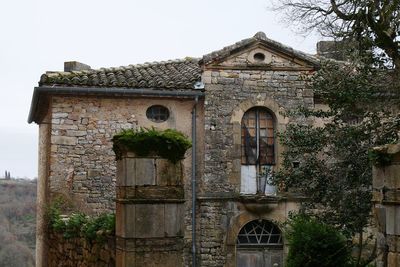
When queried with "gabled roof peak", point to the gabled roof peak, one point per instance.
{"points": [[260, 35], [258, 38]]}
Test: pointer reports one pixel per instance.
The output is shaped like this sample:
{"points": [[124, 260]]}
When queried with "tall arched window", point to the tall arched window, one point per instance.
{"points": [[258, 150]]}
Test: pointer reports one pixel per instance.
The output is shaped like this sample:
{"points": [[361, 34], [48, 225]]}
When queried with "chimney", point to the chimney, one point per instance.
{"points": [[338, 50], [75, 66]]}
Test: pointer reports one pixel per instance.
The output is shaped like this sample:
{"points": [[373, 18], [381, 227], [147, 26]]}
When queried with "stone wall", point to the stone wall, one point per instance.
{"points": [[231, 90], [74, 252], [82, 163], [229, 94], [386, 198]]}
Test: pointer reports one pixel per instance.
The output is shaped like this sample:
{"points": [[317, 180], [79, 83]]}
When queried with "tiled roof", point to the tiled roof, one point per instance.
{"points": [[172, 74], [258, 37]]}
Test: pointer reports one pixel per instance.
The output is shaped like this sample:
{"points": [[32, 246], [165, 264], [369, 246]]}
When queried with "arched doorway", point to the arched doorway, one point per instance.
{"points": [[259, 244]]}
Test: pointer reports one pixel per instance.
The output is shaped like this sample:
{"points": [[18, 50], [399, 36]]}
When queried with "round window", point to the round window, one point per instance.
{"points": [[259, 57], [157, 113]]}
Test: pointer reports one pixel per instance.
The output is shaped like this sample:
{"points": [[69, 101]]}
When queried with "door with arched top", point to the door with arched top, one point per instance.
{"points": [[259, 244]]}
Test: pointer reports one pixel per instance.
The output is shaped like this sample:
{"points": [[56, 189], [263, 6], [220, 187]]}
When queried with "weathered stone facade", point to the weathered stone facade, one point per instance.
{"points": [[88, 107], [386, 197], [73, 252], [82, 161], [234, 86]]}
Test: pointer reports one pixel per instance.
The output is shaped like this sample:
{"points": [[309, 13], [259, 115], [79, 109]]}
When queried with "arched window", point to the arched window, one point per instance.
{"points": [[258, 150], [259, 243]]}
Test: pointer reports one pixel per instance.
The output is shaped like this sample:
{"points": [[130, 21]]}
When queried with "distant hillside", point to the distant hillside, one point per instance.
{"points": [[17, 222]]}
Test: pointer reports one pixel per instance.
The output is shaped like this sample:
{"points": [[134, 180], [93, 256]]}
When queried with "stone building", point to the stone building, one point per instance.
{"points": [[229, 102]]}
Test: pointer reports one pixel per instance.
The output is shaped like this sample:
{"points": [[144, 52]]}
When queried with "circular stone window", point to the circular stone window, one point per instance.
{"points": [[259, 57], [157, 113]]}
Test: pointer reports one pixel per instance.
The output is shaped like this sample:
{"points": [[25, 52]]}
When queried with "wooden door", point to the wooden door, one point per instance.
{"points": [[259, 257]]}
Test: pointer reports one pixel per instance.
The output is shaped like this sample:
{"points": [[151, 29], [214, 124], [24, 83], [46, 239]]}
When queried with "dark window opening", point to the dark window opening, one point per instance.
{"points": [[157, 113], [258, 137], [259, 57]]}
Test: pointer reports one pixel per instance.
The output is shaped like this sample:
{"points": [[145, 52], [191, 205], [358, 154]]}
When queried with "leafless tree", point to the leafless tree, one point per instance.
{"points": [[374, 23]]}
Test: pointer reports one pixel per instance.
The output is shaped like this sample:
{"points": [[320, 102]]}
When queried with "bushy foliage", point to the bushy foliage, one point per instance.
{"points": [[93, 228], [16, 254], [335, 171], [170, 144], [99, 227], [313, 243], [17, 222]]}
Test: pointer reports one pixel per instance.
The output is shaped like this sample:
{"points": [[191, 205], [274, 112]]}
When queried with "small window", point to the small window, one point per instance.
{"points": [[157, 113], [259, 57]]}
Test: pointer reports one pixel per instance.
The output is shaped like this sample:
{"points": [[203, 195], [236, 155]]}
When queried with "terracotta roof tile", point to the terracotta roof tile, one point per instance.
{"points": [[172, 74]]}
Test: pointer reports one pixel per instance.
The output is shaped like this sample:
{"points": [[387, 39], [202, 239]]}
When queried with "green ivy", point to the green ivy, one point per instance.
{"points": [[99, 228], [81, 225], [170, 144], [380, 158]]}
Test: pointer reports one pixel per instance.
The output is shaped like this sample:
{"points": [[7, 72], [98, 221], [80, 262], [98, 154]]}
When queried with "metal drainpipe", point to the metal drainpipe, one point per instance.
{"points": [[194, 114]]}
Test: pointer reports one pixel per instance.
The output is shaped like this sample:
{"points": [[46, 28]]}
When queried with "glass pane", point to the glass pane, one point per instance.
{"points": [[260, 232]]}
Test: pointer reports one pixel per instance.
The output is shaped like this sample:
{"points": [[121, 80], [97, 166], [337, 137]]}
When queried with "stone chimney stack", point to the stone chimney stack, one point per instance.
{"points": [[338, 50], [75, 66]]}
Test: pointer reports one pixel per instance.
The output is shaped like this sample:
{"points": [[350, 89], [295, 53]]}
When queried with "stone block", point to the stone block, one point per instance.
{"points": [[393, 243], [64, 140], [144, 171], [380, 218], [93, 173], [168, 173], [76, 133], [378, 178], [58, 115], [154, 192], [392, 220], [174, 215], [308, 93], [149, 220], [391, 176], [377, 196], [129, 178], [125, 258], [125, 220], [392, 196]]}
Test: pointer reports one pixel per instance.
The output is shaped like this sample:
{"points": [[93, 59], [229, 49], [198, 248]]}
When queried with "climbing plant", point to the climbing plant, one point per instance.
{"points": [[170, 144]]}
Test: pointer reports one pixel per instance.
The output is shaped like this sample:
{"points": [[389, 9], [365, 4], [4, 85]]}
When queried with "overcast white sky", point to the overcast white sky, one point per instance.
{"points": [[40, 35]]}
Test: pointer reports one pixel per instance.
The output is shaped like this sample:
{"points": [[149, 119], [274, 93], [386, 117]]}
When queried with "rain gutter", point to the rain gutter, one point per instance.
{"points": [[149, 92]]}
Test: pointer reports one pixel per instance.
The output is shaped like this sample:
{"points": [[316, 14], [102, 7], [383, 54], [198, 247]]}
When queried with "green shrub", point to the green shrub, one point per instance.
{"points": [[99, 227], [81, 225], [170, 144], [312, 244], [380, 158], [54, 219], [73, 225]]}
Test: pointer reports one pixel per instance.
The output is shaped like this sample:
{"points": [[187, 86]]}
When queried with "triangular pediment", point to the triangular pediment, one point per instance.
{"points": [[259, 52]]}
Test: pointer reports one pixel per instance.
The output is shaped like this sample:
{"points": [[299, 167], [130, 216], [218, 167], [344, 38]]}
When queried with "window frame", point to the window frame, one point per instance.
{"points": [[269, 136]]}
